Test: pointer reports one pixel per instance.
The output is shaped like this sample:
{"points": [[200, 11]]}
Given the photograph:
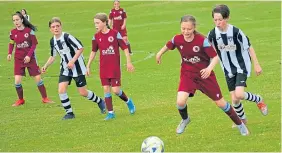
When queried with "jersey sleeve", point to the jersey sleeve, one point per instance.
{"points": [[34, 43], [124, 15], [171, 44], [209, 50], [243, 40], [11, 44], [94, 45], [121, 42], [75, 42], [110, 15]]}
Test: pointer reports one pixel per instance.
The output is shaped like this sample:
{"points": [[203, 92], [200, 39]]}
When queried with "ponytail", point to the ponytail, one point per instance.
{"points": [[107, 24], [26, 23]]}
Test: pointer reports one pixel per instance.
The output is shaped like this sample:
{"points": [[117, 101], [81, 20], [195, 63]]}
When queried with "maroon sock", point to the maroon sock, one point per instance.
{"points": [[123, 96], [109, 103], [19, 90], [234, 117], [42, 90]]}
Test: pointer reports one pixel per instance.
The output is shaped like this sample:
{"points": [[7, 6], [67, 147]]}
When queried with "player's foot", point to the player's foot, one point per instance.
{"points": [[131, 106], [262, 107], [47, 101], [68, 116], [182, 125], [102, 107], [243, 129], [243, 120], [19, 102], [110, 116]]}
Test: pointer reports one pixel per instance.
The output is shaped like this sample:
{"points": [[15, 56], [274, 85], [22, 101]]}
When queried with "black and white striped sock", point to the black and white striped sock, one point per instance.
{"points": [[91, 96], [239, 110], [252, 97], [66, 103]]}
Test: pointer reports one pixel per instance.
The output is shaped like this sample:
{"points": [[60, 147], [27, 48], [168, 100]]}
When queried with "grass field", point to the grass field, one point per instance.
{"points": [[38, 127]]}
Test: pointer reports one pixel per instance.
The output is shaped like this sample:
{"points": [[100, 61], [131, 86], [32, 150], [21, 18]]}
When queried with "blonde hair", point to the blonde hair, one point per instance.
{"points": [[55, 19], [188, 18]]}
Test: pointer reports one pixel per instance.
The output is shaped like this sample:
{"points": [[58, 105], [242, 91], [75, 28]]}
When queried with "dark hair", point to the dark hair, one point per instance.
{"points": [[24, 11], [104, 18], [26, 23], [223, 10], [55, 19]]}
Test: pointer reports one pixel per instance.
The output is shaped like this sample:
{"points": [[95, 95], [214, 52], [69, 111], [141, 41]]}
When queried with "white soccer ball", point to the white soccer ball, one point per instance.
{"points": [[152, 144]]}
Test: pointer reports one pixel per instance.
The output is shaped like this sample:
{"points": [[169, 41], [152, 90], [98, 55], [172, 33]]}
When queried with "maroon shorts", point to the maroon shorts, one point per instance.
{"points": [[114, 82], [190, 82], [32, 67], [123, 32]]}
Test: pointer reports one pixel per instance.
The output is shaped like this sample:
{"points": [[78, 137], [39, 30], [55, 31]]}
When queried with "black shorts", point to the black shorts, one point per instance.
{"points": [[238, 80], [80, 80]]}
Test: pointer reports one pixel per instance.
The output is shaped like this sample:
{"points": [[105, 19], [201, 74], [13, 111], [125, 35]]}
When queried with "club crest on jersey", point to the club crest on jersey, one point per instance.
{"points": [[26, 35], [111, 39], [196, 49]]}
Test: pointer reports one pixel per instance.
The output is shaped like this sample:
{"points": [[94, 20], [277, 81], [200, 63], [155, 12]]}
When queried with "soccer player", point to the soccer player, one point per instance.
{"points": [[118, 20], [72, 67], [108, 42], [24, 13], [23, 37], [235, 53], [198, 61]]}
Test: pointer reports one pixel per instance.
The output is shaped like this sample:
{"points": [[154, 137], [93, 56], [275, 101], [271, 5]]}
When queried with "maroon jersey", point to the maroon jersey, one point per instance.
{"points": [[25, 41], [108, 44], [118, 17], [195, 54]]}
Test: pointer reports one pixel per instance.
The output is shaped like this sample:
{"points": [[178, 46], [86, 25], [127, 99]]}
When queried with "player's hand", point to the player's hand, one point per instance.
{"points": [[70, 65], [258, 69], [158, 58], [88, 71], [43, 69], [130, 67], [26, 59], [205, 73], [123, 27], [9, 57]]}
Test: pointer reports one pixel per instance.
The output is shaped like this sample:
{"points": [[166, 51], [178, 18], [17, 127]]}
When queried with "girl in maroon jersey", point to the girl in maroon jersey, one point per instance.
{"points": [[24, 39], [118, 19], [198, 61]]}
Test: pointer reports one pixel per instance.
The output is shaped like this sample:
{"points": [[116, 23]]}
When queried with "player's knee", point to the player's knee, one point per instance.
{"points": [[220, 103], [239, 95], [83, 93], [181, 103], [117, 92]]}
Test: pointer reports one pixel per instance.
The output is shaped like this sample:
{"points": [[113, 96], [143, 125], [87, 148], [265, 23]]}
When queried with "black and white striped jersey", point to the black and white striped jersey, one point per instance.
{"points": [[66, 46], [232, 48]]}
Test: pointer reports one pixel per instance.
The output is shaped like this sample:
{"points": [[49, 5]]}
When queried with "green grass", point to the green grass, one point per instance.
{"points": [[38, 127]]}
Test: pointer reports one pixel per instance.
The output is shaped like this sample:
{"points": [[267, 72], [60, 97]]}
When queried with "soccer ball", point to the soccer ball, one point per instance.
{"points": [[152, 144]]}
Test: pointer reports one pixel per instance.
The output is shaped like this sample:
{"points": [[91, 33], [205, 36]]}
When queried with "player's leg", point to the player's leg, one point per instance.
{"points": [[242, 95], [236, 103], [34, 71], [19, 89], [116, 83], [210, 87], [19, 71], [108, 98], [64, 81], [90, 95], [186, 88]]}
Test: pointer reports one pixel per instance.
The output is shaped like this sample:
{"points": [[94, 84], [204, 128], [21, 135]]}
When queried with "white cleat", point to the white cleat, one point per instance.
{"points": [[243, 120], [243, 129], [182, 125]]}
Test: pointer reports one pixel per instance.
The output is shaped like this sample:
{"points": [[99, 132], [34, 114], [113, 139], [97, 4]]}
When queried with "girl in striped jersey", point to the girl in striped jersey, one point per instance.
{"points": [[72, 67], [236, 53]]}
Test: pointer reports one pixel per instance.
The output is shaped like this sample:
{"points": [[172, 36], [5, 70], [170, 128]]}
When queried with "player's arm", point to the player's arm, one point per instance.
{"points": [[210, 51], [34, 42], [124, 20], [124, 47], [170, 45], [79, 48], [10, 47], [51, 59], [110, 21], [92, 54]]}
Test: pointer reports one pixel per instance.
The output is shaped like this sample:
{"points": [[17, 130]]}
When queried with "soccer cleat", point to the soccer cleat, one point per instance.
{"points": [[19, 102], [262, 107], [110, 116], [47, 101], [182, 125], [131, 106], [243, 129], [102, 107], [68, 116], [243, 120]]}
